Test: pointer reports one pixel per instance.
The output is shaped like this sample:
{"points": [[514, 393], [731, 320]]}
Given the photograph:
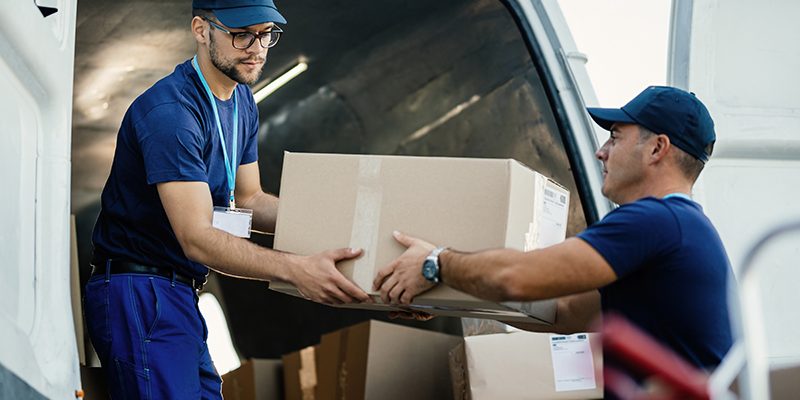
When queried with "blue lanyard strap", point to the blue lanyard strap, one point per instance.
{"points": [[230, 167]]}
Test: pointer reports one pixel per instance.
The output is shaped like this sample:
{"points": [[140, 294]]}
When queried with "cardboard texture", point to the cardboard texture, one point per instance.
{"points": [[334, 200], [458, 372], [373, 360], [255, 379], [300, 374], [515, 365]]}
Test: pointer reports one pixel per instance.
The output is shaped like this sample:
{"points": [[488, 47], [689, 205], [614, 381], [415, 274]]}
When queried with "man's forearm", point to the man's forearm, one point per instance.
{"points": [[235, 256], [510, 275], [265, 211], [482, 274]]}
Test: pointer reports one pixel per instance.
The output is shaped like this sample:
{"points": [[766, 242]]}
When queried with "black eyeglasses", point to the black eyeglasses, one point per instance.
{"points": [[243, 40]]}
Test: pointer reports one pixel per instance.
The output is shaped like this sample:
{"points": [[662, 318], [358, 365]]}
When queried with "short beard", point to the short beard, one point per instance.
{"points": [[229, 68]]}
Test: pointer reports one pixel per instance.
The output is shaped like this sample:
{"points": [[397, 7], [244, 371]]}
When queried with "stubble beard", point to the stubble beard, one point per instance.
{"points": [[229, 67]]}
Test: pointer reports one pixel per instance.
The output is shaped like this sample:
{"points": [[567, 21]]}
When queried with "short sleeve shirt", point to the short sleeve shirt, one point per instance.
{"points": [[673, 275], [168, 134]]}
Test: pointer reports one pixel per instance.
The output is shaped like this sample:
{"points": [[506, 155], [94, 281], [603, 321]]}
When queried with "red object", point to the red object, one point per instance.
{"points": [[630, 345]]}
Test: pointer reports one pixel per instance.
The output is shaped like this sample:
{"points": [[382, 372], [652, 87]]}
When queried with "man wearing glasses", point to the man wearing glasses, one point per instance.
{"points": [[184, 189]]}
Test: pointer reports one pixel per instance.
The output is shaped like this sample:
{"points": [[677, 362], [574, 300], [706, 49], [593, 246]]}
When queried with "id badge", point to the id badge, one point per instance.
{"points": [[236, 221]]}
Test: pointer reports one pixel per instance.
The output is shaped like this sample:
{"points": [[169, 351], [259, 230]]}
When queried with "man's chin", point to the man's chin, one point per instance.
{"points": [[248, 79], [604, 191]]}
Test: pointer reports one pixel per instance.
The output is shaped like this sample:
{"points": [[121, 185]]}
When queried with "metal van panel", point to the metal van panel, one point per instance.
{"points": [[17, 213], [571, 90], [37, 338]]}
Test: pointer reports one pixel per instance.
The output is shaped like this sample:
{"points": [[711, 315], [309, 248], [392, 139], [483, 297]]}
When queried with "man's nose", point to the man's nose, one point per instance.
{"points": [[255, 47], [601, 153]]}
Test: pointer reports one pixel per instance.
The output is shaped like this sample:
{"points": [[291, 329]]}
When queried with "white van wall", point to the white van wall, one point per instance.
{"points": [[38, 354], [741, 59]]}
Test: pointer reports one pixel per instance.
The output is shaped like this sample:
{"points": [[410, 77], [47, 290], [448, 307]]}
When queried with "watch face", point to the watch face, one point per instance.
{"points": [[429, 270]]}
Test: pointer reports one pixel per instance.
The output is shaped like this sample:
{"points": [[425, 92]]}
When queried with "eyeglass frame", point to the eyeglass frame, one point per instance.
{"points": [[254, 36]]}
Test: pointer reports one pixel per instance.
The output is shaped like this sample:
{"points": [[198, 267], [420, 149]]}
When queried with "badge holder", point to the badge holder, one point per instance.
{"points": [[236, 221]]}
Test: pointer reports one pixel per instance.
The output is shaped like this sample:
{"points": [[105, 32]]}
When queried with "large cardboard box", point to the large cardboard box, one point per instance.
{"points": [[335, 200], [372, 360], [527, 365], [255, 379]]}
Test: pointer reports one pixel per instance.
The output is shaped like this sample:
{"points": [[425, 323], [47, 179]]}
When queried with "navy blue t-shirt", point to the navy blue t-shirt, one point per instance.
{"points": [[673, 274], [169, 133]]}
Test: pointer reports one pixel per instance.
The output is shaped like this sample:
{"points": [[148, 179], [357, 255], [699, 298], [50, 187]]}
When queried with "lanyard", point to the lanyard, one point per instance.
{"points": [[230, 167], [678, 194]]}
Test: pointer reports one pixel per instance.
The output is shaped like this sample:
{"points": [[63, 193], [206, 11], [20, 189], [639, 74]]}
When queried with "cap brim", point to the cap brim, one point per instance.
{"points": [[240, 17], [607, 117]]}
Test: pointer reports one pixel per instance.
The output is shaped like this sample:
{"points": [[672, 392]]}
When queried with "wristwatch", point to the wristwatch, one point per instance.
{"points": [[430, 267]]}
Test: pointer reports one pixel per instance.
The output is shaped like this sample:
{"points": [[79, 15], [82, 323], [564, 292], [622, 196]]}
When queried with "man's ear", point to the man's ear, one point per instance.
{"points": [[661, 146], [199, 29]]}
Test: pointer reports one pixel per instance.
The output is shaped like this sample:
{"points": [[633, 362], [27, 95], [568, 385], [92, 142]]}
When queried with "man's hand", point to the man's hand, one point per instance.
{"points": [[319, 280], [402, 280]]}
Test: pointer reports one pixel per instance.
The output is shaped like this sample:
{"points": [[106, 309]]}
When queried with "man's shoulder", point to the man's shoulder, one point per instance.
{"points": [[176, 90]]}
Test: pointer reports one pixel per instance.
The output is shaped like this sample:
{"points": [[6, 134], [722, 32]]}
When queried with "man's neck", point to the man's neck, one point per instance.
{"points": [[221, 85], [658, 191]]}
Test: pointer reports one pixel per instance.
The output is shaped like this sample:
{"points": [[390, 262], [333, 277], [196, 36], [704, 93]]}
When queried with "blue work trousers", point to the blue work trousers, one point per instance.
{"points": [[150, 337]]}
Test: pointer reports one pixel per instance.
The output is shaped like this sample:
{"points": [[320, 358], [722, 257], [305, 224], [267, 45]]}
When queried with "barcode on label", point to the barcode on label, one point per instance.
{"points": [[555, 197]]}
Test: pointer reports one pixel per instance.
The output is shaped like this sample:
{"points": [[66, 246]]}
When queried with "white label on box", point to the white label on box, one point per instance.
{"points": [[573, 365], [554, 216]]}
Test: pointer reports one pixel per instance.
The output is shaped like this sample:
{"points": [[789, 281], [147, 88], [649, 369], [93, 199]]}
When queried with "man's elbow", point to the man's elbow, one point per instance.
{"points": [[192, 244], [194, 253]]}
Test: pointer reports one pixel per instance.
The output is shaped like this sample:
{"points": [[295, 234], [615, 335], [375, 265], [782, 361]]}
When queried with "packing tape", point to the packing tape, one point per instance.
{"points": [[531, 240], [366, 219], [307, 373]]}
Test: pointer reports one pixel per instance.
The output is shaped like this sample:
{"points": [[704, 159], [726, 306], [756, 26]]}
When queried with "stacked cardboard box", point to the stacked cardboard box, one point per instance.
{"points": [[527, 365], [255, 379], [333, 200], [371, 360], [300, 374]]}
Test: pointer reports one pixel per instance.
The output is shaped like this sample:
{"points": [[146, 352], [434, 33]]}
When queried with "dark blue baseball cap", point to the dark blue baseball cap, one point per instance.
{"points": [[242, 13], [666, 110]]}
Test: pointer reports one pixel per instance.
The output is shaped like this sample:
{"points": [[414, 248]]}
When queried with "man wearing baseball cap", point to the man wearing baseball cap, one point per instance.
{"points": [[656, 259], [183, 191]]}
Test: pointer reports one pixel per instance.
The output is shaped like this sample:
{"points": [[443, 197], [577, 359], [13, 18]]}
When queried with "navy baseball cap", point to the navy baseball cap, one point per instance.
{"points": [[666, 110], [242, 13]]}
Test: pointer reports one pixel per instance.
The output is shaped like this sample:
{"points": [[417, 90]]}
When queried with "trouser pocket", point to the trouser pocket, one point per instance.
{"points": [[153, 314], [95, 306]]}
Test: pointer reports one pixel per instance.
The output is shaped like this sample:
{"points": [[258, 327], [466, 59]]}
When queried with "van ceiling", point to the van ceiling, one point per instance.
{"points": [[444, 77]]}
